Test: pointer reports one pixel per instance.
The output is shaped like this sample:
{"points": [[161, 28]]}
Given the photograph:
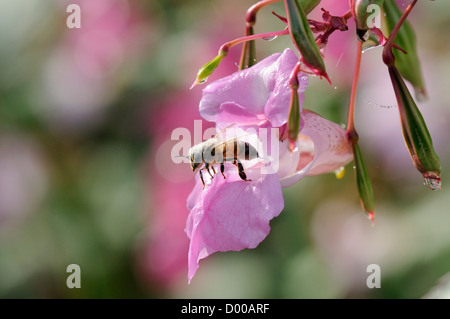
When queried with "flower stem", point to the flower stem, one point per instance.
{"points": [[388, 55], [248, 53], [226, 46], [250, 17], [351, 131]]}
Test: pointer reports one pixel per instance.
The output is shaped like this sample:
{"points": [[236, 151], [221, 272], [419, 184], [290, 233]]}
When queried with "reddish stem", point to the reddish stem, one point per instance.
{"points": [[226, 46], [351, 131], [250, 17], [388, 55]]}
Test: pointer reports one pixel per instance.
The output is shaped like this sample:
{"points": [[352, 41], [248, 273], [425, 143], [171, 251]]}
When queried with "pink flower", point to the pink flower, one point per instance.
{"points": [[232, 214]]}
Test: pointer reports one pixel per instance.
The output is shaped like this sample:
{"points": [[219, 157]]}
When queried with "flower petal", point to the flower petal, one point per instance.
{"points": [[230, 112], [232, 214], [277, 107], [262, 90], [332, 149]]}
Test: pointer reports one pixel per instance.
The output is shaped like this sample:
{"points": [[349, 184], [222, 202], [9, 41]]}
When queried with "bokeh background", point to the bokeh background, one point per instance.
{"points": [[86, 117]]}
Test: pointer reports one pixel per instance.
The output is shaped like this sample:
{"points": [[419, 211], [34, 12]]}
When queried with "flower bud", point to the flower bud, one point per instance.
{"points": [[362, 12], [363, 182], [206, 70], [415, 132]]}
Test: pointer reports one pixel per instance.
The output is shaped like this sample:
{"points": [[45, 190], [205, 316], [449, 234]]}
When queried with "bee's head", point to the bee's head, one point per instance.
{"points": [[194, 163], [196, 156]]}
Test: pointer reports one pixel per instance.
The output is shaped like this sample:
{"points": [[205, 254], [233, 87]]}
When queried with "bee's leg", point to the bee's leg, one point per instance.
{"points": [[222, 169], [201, 177], [214, 171], [242, 174], [207, 168]]}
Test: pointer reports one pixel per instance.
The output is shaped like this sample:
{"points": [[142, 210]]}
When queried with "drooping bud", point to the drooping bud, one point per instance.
{"points": [[363, 11], [363, 182], [206, 70], [408, 64], [294, 118], [415, 133], [303, 38]]}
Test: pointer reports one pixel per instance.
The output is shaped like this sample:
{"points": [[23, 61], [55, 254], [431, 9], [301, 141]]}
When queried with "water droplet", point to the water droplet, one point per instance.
{"points": [[335, 87], [433, 183], [202, 81], [369, 46], [343, 126], [270, 38]]}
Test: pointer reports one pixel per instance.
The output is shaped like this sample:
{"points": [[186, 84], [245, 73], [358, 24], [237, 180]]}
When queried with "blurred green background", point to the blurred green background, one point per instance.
{"points": [[86, 117]]}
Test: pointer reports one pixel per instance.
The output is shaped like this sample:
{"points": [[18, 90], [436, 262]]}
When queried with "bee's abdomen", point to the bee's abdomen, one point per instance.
{"points": [[238, 150]]}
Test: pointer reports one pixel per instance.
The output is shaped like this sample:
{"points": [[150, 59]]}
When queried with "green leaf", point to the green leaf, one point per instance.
{"points": [[303, 37], [415, 132], [408, 64]]}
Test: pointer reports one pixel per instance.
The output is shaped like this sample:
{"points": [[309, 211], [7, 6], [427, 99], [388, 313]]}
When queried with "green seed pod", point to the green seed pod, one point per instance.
{"points": [[363, 182], [364, 11], [415, 132], [303, 37]]}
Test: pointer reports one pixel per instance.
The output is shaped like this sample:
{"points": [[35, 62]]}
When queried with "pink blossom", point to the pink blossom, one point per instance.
{"points": [[163, 260], [232, 214]]}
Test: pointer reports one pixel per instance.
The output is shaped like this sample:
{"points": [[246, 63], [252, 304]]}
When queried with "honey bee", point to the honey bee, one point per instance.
{"points": [[215, 151]]}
